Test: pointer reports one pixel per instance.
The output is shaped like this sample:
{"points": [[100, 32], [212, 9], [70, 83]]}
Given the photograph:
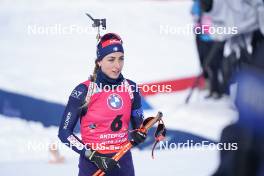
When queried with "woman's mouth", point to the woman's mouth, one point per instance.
{"points": [[116, 72]]}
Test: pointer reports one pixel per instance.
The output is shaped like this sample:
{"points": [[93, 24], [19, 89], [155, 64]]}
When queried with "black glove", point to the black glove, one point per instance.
{"points": [[102, 162], [138, 137]]}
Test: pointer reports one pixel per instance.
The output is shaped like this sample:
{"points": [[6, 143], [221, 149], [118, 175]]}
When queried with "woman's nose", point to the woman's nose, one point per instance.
{"points": [[117, 65]]}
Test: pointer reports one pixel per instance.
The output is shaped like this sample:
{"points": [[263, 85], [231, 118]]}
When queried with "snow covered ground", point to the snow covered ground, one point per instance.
{"points": [[49, 66]]}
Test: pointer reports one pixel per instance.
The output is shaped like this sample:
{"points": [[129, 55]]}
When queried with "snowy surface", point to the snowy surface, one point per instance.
{"points": [[50, 66], [60, 62]]}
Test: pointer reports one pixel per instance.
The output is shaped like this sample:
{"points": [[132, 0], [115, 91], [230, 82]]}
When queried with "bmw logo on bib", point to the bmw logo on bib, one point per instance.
{"points": [[114, 101]]}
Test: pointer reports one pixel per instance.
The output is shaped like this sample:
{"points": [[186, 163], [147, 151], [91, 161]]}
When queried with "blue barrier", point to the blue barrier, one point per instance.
{"points": [[29, 108]]}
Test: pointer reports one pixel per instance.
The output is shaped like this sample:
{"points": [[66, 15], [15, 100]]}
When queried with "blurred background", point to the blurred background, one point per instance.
{"points": [[47, 48]]}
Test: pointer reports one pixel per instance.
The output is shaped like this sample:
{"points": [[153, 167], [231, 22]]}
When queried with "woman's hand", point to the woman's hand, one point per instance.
{"points": [[102, 162], [138, 137]]}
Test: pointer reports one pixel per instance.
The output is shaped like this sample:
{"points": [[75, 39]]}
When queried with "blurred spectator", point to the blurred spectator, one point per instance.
{"points": [[248, 132], [245, 44], [210, 51], [203, 41], [244, 52]]}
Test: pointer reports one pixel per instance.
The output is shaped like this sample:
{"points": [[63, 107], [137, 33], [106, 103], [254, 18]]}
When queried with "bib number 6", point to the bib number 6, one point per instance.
{"points": [[117, 123]]}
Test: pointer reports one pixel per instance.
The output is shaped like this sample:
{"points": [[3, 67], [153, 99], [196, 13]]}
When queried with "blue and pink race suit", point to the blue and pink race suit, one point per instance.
{"points": [[104, 122]]}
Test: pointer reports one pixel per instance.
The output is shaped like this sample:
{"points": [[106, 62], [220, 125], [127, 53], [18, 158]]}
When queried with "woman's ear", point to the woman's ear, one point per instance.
{"points": [[99, 63]]}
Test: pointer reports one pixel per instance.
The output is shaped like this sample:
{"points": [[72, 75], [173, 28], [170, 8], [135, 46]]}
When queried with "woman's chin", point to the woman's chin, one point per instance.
{"points": [[114, 76]]}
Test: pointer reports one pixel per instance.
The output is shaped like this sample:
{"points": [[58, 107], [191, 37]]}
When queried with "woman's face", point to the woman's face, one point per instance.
{"points": [[112, 64]]}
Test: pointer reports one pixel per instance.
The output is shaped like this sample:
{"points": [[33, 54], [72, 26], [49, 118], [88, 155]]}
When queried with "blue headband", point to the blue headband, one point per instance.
{"points": [[108, 44]]}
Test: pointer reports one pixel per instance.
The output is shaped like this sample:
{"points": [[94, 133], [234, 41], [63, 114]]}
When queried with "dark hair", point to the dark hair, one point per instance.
{"points": [[91, 78], [96, 67]]}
